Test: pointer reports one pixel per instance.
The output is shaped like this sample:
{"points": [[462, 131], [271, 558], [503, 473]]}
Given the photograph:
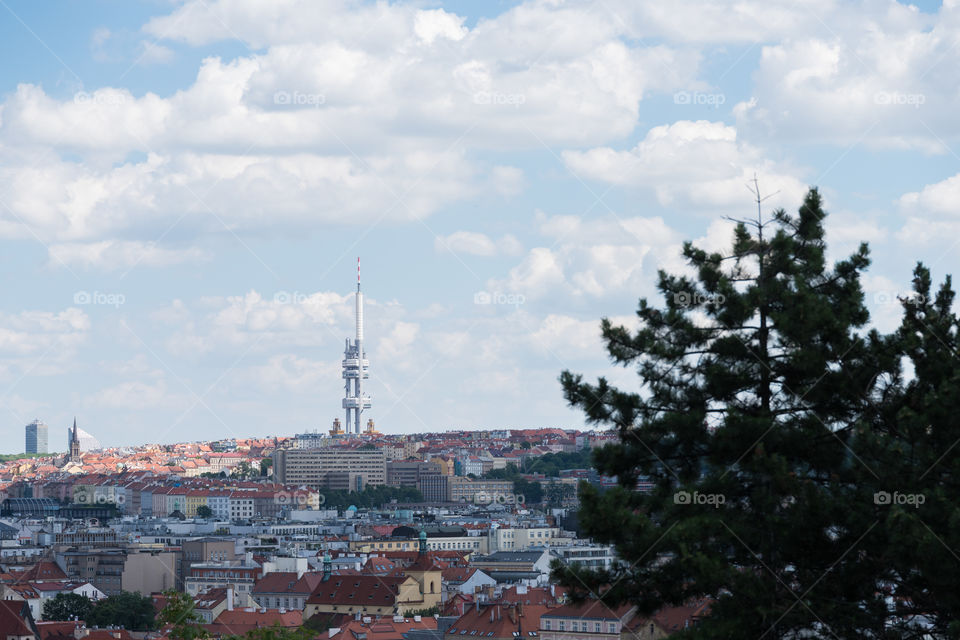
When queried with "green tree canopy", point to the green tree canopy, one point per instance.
{"points": [[754, 378], [126, 609], [64, 606], [909, 467], [532, 492]]}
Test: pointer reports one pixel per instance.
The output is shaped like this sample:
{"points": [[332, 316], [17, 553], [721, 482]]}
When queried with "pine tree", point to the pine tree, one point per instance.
{"points": [[911, 445], [754, 377]]}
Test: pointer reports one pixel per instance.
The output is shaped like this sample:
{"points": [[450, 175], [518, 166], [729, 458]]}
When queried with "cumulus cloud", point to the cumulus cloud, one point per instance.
{"points": [[882, 79], [133, 395], [690, 164], [342, 113], [478, 244], [115, 254]]}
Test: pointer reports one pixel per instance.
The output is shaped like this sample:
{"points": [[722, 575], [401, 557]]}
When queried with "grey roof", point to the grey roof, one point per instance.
{"points": [[512, 556], [513, 576]]}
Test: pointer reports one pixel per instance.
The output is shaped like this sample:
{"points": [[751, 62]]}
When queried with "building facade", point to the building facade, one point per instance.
{"points": [[37, 437], [311, 467]]}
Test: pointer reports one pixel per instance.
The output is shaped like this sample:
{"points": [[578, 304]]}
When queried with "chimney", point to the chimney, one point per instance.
{"points": [[513, 615], [229, 598]]}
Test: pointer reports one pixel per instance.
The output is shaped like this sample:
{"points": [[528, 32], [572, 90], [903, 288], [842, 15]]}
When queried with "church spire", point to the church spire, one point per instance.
{"points": [[74, 442]]}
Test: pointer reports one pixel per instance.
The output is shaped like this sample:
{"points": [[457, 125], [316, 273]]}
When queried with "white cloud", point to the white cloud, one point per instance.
{"points": [[478, 244], [41, 343], [592, 258], [292, 373], [437, 23], [469, 242], [568, 336], [154, 53], [691, 164], [114, 254], [395, 346], [508, 181], [62, 201], [341, 113], [938, 198], [133, 395], [930, 215], [883, 78]]}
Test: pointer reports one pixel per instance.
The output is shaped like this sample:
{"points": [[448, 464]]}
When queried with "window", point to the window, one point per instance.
{"points": [[596, 627]]}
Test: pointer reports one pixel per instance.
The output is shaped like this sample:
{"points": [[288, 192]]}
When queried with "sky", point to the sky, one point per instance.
{"points": [[185, 187]]}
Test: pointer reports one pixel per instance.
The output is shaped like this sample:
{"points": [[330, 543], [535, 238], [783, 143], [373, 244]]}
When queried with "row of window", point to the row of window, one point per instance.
{"points": [[581, 625]]}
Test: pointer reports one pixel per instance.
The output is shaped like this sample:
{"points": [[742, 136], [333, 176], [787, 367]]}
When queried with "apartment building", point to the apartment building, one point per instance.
{"points": [[407, 473], [239, 575], [202, 550], [521, 539], [592, 620], [460, 489], [115, 570], [355, 468]]}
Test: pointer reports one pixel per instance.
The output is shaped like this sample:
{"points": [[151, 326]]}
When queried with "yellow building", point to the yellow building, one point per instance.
{"points": [[193, 500]]}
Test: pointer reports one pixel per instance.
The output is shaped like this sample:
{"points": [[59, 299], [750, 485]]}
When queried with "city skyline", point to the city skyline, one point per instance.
{"points": [[184, 189]]}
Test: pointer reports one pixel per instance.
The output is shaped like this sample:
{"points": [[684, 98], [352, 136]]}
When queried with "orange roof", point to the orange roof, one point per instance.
{"points": [[240, 621]]}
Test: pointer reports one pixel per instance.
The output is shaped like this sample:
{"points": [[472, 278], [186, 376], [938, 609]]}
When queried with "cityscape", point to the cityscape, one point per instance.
{"points": [[479, 320]]}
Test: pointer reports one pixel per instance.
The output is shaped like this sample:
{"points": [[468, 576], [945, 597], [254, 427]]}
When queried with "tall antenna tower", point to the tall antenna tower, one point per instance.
{"points": [[355, 370]]}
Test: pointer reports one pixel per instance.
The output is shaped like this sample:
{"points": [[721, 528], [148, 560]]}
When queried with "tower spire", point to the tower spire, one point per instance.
{"points": [[355, 369], [74, 442]]}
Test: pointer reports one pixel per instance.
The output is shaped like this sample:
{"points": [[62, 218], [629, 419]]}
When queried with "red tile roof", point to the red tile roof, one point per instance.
{"points": [[41, 572], [287, 582], [15, 618], [500, 620], [240, 621], [361, 591]]}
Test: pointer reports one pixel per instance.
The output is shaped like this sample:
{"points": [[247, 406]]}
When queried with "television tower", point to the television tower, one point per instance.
{"points": [[355, 370]]}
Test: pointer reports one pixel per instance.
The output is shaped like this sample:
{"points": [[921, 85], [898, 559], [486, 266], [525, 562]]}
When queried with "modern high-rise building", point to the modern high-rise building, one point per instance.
{"points": [[37, 437]]}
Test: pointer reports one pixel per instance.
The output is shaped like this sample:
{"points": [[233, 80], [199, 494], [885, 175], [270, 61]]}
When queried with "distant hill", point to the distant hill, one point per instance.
{"points": [[7, 457]]}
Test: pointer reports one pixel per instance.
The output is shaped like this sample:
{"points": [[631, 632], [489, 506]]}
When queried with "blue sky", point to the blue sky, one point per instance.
{"points": [[185, 187]]}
